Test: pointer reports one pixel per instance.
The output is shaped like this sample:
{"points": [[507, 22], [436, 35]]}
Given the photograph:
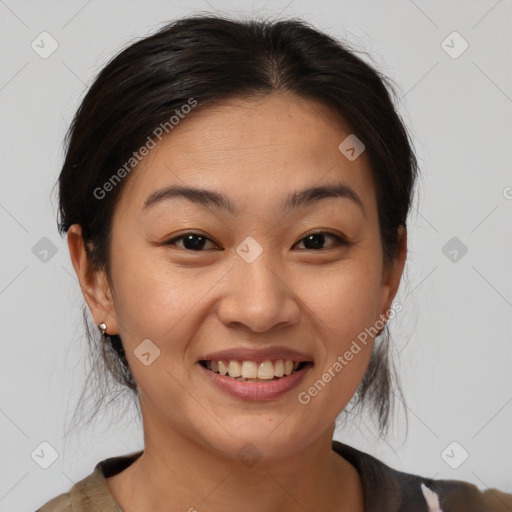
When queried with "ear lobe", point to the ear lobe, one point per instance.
{"points": [[93, 283]]}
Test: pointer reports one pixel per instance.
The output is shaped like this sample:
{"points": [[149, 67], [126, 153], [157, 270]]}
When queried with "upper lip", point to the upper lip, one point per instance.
{"points": [[257, 355]]}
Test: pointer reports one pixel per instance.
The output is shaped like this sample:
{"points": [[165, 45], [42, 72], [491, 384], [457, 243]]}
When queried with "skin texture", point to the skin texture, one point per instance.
{"points": [[189, 303]]}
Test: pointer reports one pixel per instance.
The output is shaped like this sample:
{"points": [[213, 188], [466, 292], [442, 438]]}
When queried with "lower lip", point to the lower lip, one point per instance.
{"points": [[256, 390]]}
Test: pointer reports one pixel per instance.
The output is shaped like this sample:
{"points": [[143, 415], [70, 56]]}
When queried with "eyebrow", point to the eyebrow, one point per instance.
{"points": [[294, 200]]}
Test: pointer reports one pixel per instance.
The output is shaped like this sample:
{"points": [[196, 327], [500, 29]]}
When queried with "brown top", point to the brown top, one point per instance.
{"points": [[385, 489]]}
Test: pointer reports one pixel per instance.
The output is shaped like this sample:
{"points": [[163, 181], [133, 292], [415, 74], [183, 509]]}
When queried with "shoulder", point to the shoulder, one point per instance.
{"points": [[88, 495], [61, 503], [91, 494], [460, 496], [389, 490], [81, 497]]}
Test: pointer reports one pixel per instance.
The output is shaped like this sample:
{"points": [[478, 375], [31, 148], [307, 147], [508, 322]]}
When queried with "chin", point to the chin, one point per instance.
{"points": [[256, 438]]}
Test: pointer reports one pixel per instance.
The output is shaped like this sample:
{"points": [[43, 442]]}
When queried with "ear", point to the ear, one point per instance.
{"points": [[94, 284], [391, 276]]}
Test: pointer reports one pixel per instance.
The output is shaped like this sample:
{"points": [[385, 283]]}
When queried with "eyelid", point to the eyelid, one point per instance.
{"points": [[174, 239], [326, 231], [340, 239]]}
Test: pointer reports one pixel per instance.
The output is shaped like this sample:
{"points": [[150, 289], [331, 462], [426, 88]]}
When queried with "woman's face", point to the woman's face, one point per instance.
{"points": [[256, 287]]}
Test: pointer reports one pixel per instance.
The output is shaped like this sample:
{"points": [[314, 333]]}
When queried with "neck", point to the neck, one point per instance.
{"points": [[178, 470]]}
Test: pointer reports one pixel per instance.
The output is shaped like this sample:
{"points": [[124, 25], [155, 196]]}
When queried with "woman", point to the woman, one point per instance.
{"points": [[235, 197]]}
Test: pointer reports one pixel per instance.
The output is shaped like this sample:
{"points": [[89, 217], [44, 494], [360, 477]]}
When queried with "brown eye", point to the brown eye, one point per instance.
{"points": [[315, 241], [191, 241]]}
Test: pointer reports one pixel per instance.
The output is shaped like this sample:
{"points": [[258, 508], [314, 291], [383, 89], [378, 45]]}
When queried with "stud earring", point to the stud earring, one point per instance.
{"points": [[103, 328]]}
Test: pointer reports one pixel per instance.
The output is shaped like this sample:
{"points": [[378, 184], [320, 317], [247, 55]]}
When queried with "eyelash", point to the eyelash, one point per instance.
{"points": [[339, 241]]}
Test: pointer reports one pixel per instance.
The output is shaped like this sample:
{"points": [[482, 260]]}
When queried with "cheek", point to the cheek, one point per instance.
{"points": [[154, 298], [160, 302], [343, 307], [345, 299]]}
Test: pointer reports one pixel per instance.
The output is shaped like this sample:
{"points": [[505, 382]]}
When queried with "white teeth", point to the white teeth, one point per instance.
{"points": [[279, 368], [234, 369], [223, 369], [249, 370], [266, 370], [243, 370]]}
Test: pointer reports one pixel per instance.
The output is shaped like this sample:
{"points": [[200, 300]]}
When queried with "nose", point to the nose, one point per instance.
{"points": [[257, 297]]}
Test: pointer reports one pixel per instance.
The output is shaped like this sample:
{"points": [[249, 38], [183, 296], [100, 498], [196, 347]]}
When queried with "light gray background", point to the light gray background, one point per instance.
{"points": [[453, 337]]}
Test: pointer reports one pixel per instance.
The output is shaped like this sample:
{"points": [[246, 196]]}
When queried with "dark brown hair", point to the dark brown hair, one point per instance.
{"points": [[211, 58]]}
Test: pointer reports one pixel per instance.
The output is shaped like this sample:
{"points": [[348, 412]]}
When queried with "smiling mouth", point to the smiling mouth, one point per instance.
{"points": [[251, 371]]}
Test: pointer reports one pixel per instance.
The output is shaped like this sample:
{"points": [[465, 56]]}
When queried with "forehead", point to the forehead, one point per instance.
{"points": [[254, 150]]}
